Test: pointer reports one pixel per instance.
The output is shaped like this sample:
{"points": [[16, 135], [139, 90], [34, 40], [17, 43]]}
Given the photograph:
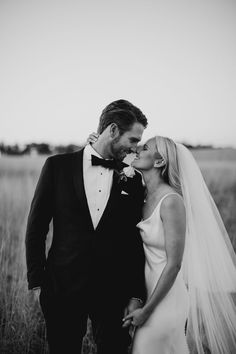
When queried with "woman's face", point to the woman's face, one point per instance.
{"points": [[147, 155]]}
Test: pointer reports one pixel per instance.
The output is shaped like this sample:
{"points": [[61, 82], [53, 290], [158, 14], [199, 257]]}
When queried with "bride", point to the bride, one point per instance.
{"points": [[190, 268]]}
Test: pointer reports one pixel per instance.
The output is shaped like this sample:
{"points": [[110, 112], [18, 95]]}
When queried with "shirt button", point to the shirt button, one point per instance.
{"points": [[99, 190], [101, 173], [97, 209]]}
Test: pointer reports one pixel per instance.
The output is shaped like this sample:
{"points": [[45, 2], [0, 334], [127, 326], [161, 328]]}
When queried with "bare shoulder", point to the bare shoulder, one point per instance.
{"points": [[172, 205]]}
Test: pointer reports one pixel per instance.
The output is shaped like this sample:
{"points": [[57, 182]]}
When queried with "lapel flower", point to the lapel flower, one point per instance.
{"points": [[129, 171], [125, 173]]}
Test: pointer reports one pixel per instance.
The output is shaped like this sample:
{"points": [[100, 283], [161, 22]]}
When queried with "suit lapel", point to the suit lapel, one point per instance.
{"points": [[78, 180]]}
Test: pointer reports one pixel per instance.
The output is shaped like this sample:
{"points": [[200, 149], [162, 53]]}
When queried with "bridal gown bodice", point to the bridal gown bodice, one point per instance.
{"points": [[163, 332]]}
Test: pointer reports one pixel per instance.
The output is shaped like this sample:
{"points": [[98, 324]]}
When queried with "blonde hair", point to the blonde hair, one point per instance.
{"points": [[166, 147]]}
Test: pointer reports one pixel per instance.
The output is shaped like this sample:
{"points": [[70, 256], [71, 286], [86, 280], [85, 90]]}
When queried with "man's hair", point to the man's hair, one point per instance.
{"points": [[123, 113]]}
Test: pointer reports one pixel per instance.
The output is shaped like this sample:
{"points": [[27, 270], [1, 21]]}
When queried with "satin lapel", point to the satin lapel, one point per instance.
{"points": [[115, 191], [78, 180]]}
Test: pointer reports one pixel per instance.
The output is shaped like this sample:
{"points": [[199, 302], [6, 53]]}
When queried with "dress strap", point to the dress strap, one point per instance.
{"points": [[158, 206], [166, 195]]}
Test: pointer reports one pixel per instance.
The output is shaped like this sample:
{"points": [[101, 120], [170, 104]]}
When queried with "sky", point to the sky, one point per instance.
{"points": [[63, 61]]}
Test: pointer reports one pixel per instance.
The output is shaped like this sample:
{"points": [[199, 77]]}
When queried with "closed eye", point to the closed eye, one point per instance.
{"points": [[134, 140]]}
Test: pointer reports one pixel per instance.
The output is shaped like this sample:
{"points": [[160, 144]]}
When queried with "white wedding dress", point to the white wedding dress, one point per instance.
{"points": [[164, 331]]}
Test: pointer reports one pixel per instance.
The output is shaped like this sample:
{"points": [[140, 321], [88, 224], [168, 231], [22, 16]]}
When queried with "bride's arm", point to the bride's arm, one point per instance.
{"points": [[173, 217]]}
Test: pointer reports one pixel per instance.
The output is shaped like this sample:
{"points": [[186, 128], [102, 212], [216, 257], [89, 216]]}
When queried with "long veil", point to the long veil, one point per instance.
{"points": [[209, 266]]}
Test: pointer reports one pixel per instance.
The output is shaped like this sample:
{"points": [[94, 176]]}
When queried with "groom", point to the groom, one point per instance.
{"points": [[95, 264]]}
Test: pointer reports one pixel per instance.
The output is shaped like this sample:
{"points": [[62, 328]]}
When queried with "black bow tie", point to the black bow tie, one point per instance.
{"points": [[111, 164]]}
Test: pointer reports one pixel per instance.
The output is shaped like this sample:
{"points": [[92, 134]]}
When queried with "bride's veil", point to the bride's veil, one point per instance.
{"points": [[209, 265]]}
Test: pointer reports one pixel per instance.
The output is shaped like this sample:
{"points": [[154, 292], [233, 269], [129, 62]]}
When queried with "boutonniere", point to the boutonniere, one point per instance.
{"points": [[125, 173]]}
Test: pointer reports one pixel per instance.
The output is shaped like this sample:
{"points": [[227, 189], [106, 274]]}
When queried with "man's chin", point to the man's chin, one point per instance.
{"points": [[120, 157]]}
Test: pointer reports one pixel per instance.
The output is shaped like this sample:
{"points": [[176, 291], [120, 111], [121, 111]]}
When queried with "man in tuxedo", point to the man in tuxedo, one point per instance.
{"points": [[95, 263]]}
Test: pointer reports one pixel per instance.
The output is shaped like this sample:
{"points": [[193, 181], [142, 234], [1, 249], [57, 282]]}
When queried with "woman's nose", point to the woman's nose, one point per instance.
{"points": [[139, 148]]}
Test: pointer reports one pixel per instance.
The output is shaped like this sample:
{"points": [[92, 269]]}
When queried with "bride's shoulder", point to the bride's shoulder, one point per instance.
{"points": [[173, 204]]}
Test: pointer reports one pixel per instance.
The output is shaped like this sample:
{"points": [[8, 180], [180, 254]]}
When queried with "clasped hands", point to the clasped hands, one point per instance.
{"points": [[134, 315]]}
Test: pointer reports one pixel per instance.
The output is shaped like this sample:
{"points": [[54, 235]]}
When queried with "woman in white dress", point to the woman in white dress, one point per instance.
{"points": [[190, 267]]}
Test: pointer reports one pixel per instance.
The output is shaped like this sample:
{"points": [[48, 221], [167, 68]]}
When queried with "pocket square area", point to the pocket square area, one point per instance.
{"points": [[123, 192]]}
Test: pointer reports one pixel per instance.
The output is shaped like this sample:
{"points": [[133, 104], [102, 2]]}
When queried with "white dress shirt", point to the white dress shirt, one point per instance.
{"points": [[97, 184]]}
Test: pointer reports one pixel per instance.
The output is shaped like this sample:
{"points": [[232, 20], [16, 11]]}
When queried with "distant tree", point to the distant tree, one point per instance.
{"points": [[10, 149], [43, 149], [197, 147], [204, 147], [2, 148], [61, 149]]}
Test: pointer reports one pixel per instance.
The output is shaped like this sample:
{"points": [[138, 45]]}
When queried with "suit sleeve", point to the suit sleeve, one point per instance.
{"points": [[138, 288], [39, 219], [135, 188]]}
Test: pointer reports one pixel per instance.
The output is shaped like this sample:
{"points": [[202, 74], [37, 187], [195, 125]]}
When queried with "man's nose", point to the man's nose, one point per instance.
{"points": [[133, 149]]}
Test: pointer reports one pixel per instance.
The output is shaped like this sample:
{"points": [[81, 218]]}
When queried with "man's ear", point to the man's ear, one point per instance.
{"points": [[114, 130]]}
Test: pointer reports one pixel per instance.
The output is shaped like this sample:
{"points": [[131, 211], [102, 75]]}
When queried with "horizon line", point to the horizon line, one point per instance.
{"points": [[184, 142]]}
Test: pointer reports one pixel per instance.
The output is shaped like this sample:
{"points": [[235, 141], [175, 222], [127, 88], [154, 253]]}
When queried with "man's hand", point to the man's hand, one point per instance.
{"points": [[36, 293], [133, 305]]}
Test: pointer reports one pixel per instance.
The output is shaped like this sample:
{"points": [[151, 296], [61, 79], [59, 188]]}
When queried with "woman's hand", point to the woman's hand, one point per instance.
{"points": [[137, 317], [93, 137]]}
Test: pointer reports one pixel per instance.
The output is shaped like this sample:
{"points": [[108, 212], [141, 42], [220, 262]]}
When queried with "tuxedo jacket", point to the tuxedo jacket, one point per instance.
{"points": [[108, 259]]}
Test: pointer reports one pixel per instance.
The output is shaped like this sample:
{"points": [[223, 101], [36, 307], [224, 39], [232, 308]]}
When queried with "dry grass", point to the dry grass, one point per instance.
{"points": [[21, 323]]}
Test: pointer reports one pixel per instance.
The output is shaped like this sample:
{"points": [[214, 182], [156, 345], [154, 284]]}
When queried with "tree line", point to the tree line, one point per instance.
{"points": [[37, 149], [48, 149]]}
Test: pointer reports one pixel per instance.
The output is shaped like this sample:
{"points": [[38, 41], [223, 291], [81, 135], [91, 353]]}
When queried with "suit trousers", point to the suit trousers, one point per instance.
{"points": [[66, 324]]}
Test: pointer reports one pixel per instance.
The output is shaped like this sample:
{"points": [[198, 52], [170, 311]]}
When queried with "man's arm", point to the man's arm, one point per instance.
{"points": [[137, 277], [39, 219], [137, 265], [134, 187]]}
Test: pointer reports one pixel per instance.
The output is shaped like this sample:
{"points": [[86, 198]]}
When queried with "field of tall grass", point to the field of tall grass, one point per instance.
{"points": [[22, 327]]}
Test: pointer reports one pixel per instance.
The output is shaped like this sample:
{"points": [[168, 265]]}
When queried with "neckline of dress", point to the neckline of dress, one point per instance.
{"points": [[164, 196]]}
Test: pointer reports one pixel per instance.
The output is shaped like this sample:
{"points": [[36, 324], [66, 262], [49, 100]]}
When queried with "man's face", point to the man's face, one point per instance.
{"points": [[127, 142]]}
